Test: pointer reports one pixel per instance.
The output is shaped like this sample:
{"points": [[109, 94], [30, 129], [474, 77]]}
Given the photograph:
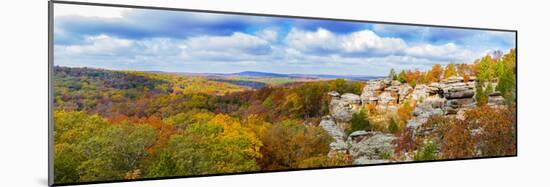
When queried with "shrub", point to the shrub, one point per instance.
{"points": [[427, 152], [393, 127], [359, 121]]}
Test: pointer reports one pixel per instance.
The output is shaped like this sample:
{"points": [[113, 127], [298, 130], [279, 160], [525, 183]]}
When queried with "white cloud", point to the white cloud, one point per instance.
{"points": [[363, 42], [238, 46], [368, 41], [103, 51], [102, 45], [270, 35], [320, 51], [311, 41], [449, 52]]}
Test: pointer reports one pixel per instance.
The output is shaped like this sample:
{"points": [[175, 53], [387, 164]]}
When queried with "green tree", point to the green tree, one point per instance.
{"points": [[359, 121], [166, 166], [402, 77], [221, 145], [485, 70], [392, 75], [393, 127], [507, 79], [450, 71], [88, 148], [481, 95], [427, 152]]}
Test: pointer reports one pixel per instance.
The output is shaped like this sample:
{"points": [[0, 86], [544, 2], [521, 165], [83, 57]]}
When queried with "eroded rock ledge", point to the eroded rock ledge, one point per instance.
{"points": [[450, 97]]}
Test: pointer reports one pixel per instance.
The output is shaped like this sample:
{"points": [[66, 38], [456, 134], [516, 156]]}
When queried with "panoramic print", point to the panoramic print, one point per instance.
{"points": [[147, 94]]}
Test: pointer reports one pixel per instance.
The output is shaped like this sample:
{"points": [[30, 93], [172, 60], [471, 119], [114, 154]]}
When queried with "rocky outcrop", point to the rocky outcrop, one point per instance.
{"points": [[449, 97], [370, 92], [344, 106], [371, 147], [329, 125], [386, 98], [496, 99], [431, 106], [365, 147]]}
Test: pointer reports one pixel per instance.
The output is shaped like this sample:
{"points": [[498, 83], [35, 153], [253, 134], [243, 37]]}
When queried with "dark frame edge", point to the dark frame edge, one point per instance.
{"points": [[51, 3], [50, 95]]}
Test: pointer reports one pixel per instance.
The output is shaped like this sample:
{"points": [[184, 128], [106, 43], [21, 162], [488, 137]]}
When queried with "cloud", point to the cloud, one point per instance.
{"points": [[362, 43], [141, 39], [100, 45], [366, 43], [238, 46], [338, 27], [141, 23], [104, 51], [447, 52]]}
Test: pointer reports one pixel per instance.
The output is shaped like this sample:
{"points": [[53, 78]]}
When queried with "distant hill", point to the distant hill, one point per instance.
{"points": [[303, 76], [258, 74]]}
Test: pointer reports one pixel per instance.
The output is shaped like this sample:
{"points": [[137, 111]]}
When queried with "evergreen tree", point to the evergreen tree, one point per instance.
{"points": [[359, 121], [393, 127], [392, 74], [402, 76]]}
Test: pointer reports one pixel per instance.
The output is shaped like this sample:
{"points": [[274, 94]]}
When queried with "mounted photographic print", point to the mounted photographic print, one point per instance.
{"points": [[140, 93]]}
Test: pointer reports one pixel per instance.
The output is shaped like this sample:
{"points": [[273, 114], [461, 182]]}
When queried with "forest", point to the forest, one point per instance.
{"points": [[115, 125]]}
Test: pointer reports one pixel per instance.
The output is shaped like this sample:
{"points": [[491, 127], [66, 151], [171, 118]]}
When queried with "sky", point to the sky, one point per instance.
{"points": [[176, 41]]}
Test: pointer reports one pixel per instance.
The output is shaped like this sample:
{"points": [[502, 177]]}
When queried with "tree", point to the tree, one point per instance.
{"points": [[498, 135], [88, 148], [289, 144], [450, 71], [427, 152], [481, 95], [485, 70], [434, 74], [506, 79], [221, 145], [404, 112], [458, 141], [393, 127], [402, 77], [359, 121], [392, 75], [164, 167]]}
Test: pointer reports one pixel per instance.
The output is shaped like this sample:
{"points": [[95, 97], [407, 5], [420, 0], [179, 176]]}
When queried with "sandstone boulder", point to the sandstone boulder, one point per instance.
{"points": [[386, 98], [404, 91], [395, 83], [334, 94], [375, 147], [371, 91], [459, 94], [343, 107], [453, 79], [329, 125], [358, 136], [496, 100], [420, 92]]}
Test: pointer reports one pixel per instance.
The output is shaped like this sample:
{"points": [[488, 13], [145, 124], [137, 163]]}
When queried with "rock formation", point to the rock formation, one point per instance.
{"points": [[342, 107], [449, 97], [329, 125]]}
